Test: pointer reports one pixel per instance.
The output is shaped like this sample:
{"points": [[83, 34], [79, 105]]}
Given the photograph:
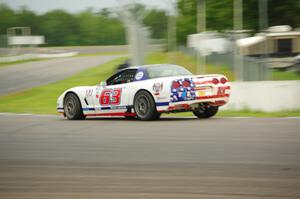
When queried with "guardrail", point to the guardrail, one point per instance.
{"points": [[36, 56]]}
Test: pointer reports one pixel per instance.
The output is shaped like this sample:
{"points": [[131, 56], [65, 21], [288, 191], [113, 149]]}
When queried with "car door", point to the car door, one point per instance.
{"points": [[113, 96]]}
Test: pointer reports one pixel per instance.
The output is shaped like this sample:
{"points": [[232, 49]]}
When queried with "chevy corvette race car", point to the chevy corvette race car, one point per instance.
{"points": [[145, 92]]}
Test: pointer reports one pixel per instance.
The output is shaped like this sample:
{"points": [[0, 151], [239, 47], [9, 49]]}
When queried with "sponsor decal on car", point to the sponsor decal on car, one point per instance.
{"points": [[110, 97], [182, 90], [89, 92], [139, 75], [157, 87]]}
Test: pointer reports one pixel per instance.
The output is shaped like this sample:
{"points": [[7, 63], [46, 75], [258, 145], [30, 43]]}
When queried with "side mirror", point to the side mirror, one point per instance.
{"points": [[103, 83]]}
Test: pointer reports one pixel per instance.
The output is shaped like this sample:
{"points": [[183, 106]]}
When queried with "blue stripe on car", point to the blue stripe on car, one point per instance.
{"points": [[88, 109], [105, 108], [109, 108], [162, 104]]}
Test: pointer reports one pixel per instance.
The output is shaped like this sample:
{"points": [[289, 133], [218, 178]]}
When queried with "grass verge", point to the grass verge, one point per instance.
{"points": [[285, 75], [42, 100]]}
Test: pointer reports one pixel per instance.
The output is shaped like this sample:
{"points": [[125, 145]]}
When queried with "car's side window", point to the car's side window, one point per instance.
{"points": [[122, 77]]}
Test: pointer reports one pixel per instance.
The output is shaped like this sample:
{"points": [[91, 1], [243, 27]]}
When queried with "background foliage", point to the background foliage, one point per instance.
{"points": [[104, 27]]}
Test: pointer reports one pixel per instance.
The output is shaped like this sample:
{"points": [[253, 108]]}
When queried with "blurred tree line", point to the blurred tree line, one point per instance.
{"points": [[84, 28], [219, 15], [105, 27]]}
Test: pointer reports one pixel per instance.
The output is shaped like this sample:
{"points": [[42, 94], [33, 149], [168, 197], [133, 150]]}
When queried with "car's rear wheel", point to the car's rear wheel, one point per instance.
{"points": [[144, 106], [206, 112], [72, 107]]}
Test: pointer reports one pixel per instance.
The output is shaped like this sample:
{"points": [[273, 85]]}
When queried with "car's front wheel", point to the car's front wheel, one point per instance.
{"points": [[144, 106], [72, 107], [206, 112]]}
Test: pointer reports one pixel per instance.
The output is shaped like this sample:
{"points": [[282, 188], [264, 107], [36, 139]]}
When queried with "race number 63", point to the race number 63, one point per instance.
{"points": [[110, 97]]}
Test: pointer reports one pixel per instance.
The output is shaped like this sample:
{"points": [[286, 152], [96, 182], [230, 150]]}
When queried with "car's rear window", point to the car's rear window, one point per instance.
{"points": [[157, 71]]}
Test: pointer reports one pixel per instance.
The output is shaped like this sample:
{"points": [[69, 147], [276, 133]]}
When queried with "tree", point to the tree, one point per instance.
{"points": [[285, 12], [100, 29], [59, 28], [7, 18], [27, 18], [220, 15], [157, 21], [186, 20]]}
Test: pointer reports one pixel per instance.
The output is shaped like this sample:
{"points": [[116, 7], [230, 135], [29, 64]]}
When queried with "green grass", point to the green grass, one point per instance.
{"points": [[42, 100], [285, 75]]}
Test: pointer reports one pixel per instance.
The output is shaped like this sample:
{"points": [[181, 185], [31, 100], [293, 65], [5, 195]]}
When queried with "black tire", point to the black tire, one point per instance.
{"points": [[144, 106], [206, 112], [157, 116], [72, 107]]}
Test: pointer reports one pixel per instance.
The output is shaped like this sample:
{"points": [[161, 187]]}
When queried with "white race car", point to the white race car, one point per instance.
{"points": [[145, 92]]}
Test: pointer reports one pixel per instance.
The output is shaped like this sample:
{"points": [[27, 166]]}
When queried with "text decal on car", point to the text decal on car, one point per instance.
{"points": [[110, 97]]}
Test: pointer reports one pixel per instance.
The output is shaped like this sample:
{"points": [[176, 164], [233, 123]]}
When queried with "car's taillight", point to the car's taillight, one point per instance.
{"points": [[223, 80], [215, 81], [186, 83], [175, 85]]}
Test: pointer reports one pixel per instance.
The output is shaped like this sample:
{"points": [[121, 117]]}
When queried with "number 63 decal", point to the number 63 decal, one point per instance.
{"points": [[110, 97]]}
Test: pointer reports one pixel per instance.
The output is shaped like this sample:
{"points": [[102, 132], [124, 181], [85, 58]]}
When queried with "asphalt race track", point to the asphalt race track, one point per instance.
{"points": [[174, 158], [27, 75]]}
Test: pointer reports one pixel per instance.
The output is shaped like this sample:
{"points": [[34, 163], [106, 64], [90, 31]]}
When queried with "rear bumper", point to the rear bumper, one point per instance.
{"points": [[214, 100], [198, 93]]}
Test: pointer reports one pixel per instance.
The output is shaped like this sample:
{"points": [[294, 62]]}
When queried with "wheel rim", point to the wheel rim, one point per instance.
{"points": [[201, 109], [142, 106], [70, 107]]}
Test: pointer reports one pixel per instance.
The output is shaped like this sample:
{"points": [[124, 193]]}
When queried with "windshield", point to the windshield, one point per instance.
{"points": [[156, 71]]}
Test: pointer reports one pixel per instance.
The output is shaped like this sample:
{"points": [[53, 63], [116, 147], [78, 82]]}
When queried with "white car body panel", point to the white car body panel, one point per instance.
{"points": [[94, 98]]}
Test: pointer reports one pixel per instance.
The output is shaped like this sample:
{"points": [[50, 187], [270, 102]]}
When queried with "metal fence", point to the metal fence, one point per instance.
{"points": [[255, 69], [252, 68], [3, 45]]}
